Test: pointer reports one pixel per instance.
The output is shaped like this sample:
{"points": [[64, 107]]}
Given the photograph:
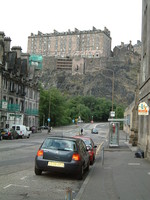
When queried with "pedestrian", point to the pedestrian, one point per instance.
{"points": [[49, 129], [81, 131]]}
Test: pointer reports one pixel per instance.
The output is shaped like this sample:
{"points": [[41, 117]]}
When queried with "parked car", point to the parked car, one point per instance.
{"points": [[21, 130], [90, 146], [62, 154], [44, 127], [9, 134], [1, 137], [94, 130], [28, 130]]}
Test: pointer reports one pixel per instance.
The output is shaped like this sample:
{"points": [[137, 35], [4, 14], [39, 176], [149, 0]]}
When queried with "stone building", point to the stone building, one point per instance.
{"points": [[19, 95], [144, 89], [90, 43]]}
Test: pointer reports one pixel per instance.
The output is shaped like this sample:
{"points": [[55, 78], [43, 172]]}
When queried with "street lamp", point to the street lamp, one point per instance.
{"points": [[112, 87]]}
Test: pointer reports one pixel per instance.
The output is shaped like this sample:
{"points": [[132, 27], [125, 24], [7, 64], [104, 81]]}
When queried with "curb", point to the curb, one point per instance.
{"points": [[79, 194]]}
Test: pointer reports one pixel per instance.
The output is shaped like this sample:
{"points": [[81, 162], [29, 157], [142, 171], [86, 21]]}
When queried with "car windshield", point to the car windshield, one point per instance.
{"points": [[95, 129], [59, 144], [87, 142]]}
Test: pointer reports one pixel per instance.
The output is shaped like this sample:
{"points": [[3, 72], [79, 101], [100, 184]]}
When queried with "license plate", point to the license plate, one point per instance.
{"points": [[55, 164]]}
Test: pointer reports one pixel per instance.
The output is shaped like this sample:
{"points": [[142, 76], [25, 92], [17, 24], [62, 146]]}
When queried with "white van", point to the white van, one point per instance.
{"points": [[21, 130]]}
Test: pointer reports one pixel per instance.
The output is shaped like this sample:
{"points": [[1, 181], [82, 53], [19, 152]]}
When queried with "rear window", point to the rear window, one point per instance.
{"points": [[18, 128], [59, 144], [87, 142]]}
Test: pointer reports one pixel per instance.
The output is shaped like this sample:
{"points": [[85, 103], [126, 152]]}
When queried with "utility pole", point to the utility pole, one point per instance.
{"points": [[49, 113]]}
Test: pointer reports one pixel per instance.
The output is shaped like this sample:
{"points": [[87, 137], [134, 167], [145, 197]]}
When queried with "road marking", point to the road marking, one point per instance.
{"points": [[7, 186], [99, 147], [148, 173], [23, 178], [133, 163]]}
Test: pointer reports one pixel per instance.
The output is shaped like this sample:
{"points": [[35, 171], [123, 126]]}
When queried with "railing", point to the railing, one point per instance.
{"points": [[9, 107], [31, 112], [13, 107]]}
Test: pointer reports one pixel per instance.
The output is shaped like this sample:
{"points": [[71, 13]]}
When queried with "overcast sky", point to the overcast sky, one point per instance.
{"points": [[20, 18]]}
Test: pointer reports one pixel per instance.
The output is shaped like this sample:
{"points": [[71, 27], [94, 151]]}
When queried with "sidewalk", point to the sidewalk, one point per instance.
{"points": [[120, 176]]}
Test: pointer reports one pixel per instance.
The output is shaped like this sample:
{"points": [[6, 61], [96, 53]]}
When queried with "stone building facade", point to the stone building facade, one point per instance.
{"points": [[19, 94], [144, 89], [90, 43]]}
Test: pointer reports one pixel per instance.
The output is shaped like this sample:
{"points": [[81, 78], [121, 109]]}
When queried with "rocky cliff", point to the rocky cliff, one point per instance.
{"points": [[96, 79]]}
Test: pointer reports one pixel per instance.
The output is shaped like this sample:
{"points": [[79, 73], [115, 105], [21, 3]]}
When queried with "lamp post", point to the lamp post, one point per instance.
{"points": [[112, 90], [112, 87]]}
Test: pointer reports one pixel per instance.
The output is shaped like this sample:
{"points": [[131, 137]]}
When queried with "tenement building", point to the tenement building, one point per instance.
{"points": [[19, 94], [93, 43], [144, 90]]}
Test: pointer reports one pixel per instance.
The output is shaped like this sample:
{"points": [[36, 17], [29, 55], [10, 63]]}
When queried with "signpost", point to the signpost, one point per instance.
{"points": [[143, 109]]}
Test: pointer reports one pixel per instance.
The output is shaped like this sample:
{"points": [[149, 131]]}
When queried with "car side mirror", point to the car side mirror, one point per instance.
{"points": [[88, 148]]}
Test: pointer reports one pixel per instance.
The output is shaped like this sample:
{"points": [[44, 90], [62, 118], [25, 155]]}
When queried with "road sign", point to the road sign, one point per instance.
{"points": [[112, 113], [143, 109], [48, 119]]}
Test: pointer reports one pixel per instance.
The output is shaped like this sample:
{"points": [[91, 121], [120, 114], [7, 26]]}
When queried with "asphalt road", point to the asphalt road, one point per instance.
{"points": [[17, 178]]}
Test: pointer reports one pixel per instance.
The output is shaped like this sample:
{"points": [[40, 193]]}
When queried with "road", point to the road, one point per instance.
{"points": [[17, 178]]}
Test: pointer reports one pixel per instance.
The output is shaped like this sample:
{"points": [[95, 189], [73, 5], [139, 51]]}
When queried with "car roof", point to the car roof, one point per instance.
{"points": [[62, 137], [85, 137]]}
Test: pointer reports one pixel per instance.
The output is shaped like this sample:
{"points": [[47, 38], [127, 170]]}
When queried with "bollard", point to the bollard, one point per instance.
{"points": [[103, 156], [68, 195]]}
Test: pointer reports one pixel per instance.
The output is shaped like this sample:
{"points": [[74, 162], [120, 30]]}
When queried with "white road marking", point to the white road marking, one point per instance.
{"points": [[133, 163], [7, 186], [148, 173], [23, 178]]}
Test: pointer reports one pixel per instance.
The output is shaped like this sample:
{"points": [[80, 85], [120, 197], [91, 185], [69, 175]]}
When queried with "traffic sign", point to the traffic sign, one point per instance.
{"points": [[48, 119], [112, 113]]}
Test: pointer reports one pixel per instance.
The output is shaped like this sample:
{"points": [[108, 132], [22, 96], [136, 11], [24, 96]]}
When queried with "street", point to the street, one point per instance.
{"points": [[17, 178]]}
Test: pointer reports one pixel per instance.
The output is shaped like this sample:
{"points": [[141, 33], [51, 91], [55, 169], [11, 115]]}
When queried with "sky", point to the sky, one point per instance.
{"points": [[20, 18]]}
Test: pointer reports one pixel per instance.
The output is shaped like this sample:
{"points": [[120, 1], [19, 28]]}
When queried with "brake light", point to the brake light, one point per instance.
{"points": [[76, 157], [9, 133], [40, 153]]}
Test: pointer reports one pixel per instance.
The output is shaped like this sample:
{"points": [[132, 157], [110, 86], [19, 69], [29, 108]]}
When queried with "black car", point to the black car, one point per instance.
{"points": [[94, 130], [9, 134], [1, 137], [62, 154]]}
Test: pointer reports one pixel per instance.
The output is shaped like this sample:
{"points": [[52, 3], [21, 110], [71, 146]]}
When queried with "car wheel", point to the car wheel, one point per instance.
{"points": [[88, 166], [92, 161], [37, 171], [80, 175]]}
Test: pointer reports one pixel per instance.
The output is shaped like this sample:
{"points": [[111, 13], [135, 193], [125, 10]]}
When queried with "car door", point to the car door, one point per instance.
{"points": [[84, 153]]}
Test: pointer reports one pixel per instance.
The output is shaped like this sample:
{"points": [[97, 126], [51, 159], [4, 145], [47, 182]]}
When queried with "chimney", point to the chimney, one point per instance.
{"points": [[2, 47], [2, 34], [7, 42], [18, 50], [122, 44]]}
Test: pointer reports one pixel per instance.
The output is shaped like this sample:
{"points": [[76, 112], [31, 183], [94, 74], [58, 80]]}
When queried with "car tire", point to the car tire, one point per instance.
{"points": [[37, 171], [92, 161], [88, 166], [80, 175]]}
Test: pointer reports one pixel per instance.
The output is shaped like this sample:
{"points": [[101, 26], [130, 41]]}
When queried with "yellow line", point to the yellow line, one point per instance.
{"points": [[99, 148]]}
